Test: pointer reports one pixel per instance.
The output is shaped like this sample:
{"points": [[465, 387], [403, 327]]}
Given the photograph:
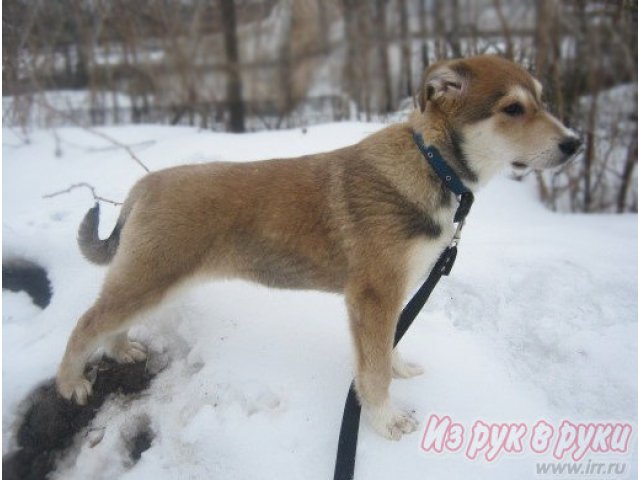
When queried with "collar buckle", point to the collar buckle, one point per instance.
{"points": [[455, 241]]}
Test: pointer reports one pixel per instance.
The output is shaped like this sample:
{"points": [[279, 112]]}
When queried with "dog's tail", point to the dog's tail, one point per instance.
{"points": [[101, 252], [95, 250]]}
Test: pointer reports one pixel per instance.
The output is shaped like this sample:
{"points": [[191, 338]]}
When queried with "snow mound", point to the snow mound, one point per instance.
{"points": [[537, 320]]}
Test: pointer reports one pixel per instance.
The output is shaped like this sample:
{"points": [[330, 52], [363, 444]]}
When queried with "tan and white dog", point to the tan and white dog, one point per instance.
{"points": [[367, 221]]}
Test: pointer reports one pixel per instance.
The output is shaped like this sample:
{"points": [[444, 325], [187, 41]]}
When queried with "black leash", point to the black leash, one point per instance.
{"points": [[348, 440]]}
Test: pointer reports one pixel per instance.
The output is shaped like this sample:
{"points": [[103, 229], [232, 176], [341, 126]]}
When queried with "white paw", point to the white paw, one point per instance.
{"points": [[402, 369], [76, 389], [390, 422], [128, 352]]}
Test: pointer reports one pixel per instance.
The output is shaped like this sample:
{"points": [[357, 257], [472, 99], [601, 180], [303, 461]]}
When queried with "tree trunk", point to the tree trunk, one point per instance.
{"points": [[589, 152], [454, 35], [285, 68], [632, 160], [350, 71], [406, 86], [424, 32], [439, 28], [234, 80], [593, 89], [357, 23], [506, 31], [380, 20], [541, 41]]}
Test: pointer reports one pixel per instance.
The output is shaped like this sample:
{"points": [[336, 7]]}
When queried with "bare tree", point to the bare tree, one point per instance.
{"points": [[453, 35], [630, 165], [439, 29], [406, 84], [356, 66], [247, 64], [424, 32], [506, 29], [234, 80], [382, 49]]}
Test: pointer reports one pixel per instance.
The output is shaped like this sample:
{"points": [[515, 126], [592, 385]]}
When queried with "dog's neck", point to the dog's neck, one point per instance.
{"points": [[474, 172]]}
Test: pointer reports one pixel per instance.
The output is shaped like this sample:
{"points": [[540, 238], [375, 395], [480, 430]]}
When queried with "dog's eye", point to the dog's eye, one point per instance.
{"points": [[514, 110]]}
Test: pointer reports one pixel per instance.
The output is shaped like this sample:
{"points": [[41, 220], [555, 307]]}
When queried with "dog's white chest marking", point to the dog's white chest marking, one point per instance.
{"points": [[423, 254]]}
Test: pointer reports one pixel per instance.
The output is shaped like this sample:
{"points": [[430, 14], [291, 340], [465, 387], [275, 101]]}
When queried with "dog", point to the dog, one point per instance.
{"points": [[366, 221]]}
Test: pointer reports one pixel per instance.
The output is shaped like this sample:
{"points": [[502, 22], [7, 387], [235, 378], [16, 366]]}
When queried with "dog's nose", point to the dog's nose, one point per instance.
{"points": [[569, 145]]}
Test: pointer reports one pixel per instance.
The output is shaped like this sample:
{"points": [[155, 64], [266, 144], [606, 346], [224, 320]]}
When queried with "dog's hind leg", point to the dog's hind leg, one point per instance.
{"points": [[123, 350], [104, 324], [133, 285]]}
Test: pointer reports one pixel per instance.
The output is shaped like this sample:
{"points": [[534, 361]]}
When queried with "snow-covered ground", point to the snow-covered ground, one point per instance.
{"points": [[537, 321]]}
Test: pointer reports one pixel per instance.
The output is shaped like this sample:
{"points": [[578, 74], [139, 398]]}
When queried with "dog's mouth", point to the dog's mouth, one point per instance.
{"points": [[518, 165]]}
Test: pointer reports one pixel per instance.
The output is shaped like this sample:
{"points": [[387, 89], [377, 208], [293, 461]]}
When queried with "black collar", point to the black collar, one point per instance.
{"points": [[448, 176]]}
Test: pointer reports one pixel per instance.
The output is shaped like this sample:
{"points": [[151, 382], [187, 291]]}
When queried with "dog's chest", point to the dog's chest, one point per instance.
{"points": [[423, 253]]}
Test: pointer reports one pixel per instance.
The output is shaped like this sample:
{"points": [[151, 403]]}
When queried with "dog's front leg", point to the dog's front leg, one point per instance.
{"points": [[374, 304]]}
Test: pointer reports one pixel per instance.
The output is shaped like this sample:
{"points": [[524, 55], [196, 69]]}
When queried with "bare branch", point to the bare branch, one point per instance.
{"points": [[96, 197], [42, 101]]}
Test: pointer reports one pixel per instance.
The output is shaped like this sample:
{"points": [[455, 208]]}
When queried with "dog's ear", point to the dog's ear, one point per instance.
{"points": [[442, 81]]}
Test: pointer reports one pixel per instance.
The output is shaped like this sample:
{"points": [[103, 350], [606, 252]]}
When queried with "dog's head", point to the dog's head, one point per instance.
{"points": [[493, 110]]}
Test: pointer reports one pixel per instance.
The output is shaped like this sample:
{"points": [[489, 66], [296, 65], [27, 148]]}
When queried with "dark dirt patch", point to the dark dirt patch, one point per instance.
{"points": [[51, 422], [140, 443], [19, 275]]}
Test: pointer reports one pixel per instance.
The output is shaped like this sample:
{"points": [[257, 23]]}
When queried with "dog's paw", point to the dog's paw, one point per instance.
{"points": [[128, 352], [402, 369], [390, 422], [75, 389]]}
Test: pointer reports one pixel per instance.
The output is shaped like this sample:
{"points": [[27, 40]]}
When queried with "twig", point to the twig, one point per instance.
{"points": [[104, 149], [115, 142], [96, 197]]}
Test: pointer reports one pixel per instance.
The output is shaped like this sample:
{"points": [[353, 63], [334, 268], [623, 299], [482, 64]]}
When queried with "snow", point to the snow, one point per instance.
{"points": [[537, 320]]}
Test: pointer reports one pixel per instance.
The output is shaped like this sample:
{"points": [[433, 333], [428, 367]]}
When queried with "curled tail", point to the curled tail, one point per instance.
{"points": [[95, 250], [99, 251]]}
